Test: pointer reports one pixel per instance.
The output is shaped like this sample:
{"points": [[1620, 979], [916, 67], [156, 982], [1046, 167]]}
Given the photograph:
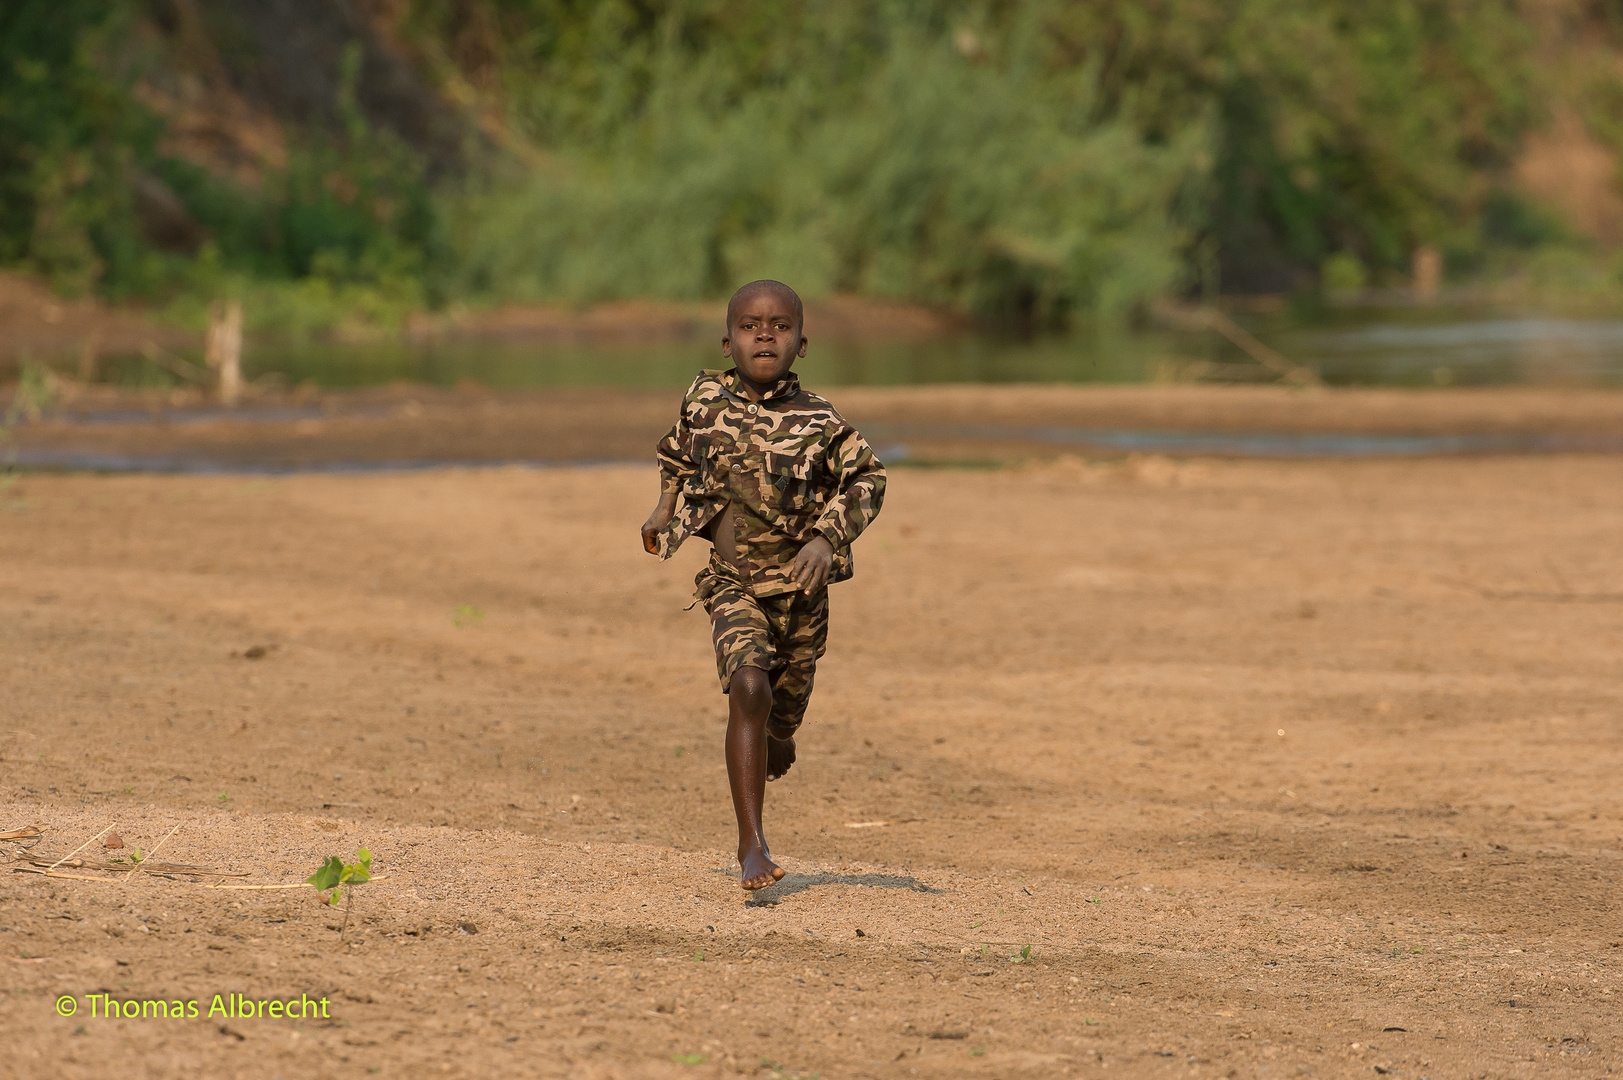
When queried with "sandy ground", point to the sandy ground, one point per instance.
{"points": [[1279, 769]]}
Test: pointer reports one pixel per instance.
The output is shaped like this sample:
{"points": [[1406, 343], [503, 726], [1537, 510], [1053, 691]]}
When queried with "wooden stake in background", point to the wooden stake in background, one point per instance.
{"points": [[223, 349], [1428, 272]]}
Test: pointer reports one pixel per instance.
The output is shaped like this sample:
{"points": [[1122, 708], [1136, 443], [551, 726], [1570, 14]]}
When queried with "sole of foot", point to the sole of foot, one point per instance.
{"points": [[780, 755]]}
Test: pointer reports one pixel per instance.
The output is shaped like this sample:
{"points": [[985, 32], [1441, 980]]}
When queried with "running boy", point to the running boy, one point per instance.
{"points": [[780, 485]]}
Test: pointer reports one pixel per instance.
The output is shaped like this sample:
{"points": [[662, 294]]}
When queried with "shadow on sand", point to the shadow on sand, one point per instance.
{"points": [[793, 883]]}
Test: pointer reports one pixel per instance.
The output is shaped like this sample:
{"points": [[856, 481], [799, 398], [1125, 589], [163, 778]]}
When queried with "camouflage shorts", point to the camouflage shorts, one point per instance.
{"points": [[782, 635]]}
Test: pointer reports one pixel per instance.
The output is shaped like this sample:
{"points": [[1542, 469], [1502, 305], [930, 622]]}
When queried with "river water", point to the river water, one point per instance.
{"points": [[1365, 347], [1370, 347]]}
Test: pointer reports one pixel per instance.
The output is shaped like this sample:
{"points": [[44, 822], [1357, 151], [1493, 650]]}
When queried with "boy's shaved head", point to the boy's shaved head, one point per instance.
{"points": [[767, 285], [764, 333]]}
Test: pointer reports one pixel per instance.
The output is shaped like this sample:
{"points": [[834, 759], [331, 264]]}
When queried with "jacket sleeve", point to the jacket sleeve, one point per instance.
{"points": [[674, 453], [859, 488]]}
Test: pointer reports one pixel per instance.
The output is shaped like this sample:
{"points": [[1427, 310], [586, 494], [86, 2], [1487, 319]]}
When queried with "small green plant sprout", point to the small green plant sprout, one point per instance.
{"points": [[467, 615], [134, 857], [337, 876], [223, 797], [36, 391], [1022, 956], [689, 1059]]}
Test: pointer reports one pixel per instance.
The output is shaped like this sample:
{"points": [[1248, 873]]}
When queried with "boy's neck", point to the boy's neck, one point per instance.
{"points": [[754, 390]]}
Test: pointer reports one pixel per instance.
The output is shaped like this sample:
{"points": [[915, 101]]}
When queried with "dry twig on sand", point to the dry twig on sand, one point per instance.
{"points": [[290, 885], [41, 864], [140, 863], [46, 867], [123, 868], [26, 834], [82, 846]]}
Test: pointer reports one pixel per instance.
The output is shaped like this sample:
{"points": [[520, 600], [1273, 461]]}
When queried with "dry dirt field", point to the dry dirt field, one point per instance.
{"points": [[1278, 768]]}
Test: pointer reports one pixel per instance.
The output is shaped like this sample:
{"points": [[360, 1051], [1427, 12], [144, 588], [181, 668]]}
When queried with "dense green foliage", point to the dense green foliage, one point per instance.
{"points": [[69, 133], [1029, 160], [78, 150], [909, 171], [995, 155]]}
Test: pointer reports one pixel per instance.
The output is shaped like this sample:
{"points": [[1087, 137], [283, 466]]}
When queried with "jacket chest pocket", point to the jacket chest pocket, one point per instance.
{"points": [[792, 479], [706, 452]]}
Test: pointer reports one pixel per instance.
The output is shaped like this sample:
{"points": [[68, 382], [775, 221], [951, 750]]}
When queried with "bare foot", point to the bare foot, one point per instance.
{"points": [[780, 754], [759, 870]]}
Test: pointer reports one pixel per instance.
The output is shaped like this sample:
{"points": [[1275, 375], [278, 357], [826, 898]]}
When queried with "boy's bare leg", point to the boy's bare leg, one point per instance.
{"points": [[749, 703]]}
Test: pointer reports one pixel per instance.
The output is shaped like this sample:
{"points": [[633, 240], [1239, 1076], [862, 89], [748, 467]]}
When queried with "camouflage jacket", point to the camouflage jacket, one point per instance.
{"points": [[792, 466]]}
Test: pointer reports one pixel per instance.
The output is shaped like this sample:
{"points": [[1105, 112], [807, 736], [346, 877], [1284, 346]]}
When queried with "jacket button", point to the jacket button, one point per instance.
{"points": [[737, 467], [755, 409]]}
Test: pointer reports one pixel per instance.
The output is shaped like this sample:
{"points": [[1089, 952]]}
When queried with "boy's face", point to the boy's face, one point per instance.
{"points": [[763, 337]]}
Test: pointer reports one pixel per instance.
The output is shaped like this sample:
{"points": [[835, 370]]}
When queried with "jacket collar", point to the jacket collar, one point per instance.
{"points": [[784, 389]]}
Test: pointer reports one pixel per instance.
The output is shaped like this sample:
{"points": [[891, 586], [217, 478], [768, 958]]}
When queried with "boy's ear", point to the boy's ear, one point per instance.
{"points": [[727, 347], [804, 341]]}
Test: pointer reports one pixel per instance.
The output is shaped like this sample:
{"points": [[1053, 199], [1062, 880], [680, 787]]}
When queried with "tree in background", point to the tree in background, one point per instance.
{"points": [[1366, 127], [71, 140]]}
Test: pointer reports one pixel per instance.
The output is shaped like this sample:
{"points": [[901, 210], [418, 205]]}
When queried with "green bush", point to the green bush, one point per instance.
{"points": [[1343, 270], [941, 179]]}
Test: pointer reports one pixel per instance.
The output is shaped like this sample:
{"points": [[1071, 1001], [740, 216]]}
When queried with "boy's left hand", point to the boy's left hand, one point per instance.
{"points": [[811, 567]]}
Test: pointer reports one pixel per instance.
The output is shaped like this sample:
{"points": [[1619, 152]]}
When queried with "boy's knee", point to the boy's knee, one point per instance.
{"points": [[751, 688]]}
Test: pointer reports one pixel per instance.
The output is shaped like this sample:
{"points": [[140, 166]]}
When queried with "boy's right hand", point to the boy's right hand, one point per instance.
{"points": [[656, 523]]}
